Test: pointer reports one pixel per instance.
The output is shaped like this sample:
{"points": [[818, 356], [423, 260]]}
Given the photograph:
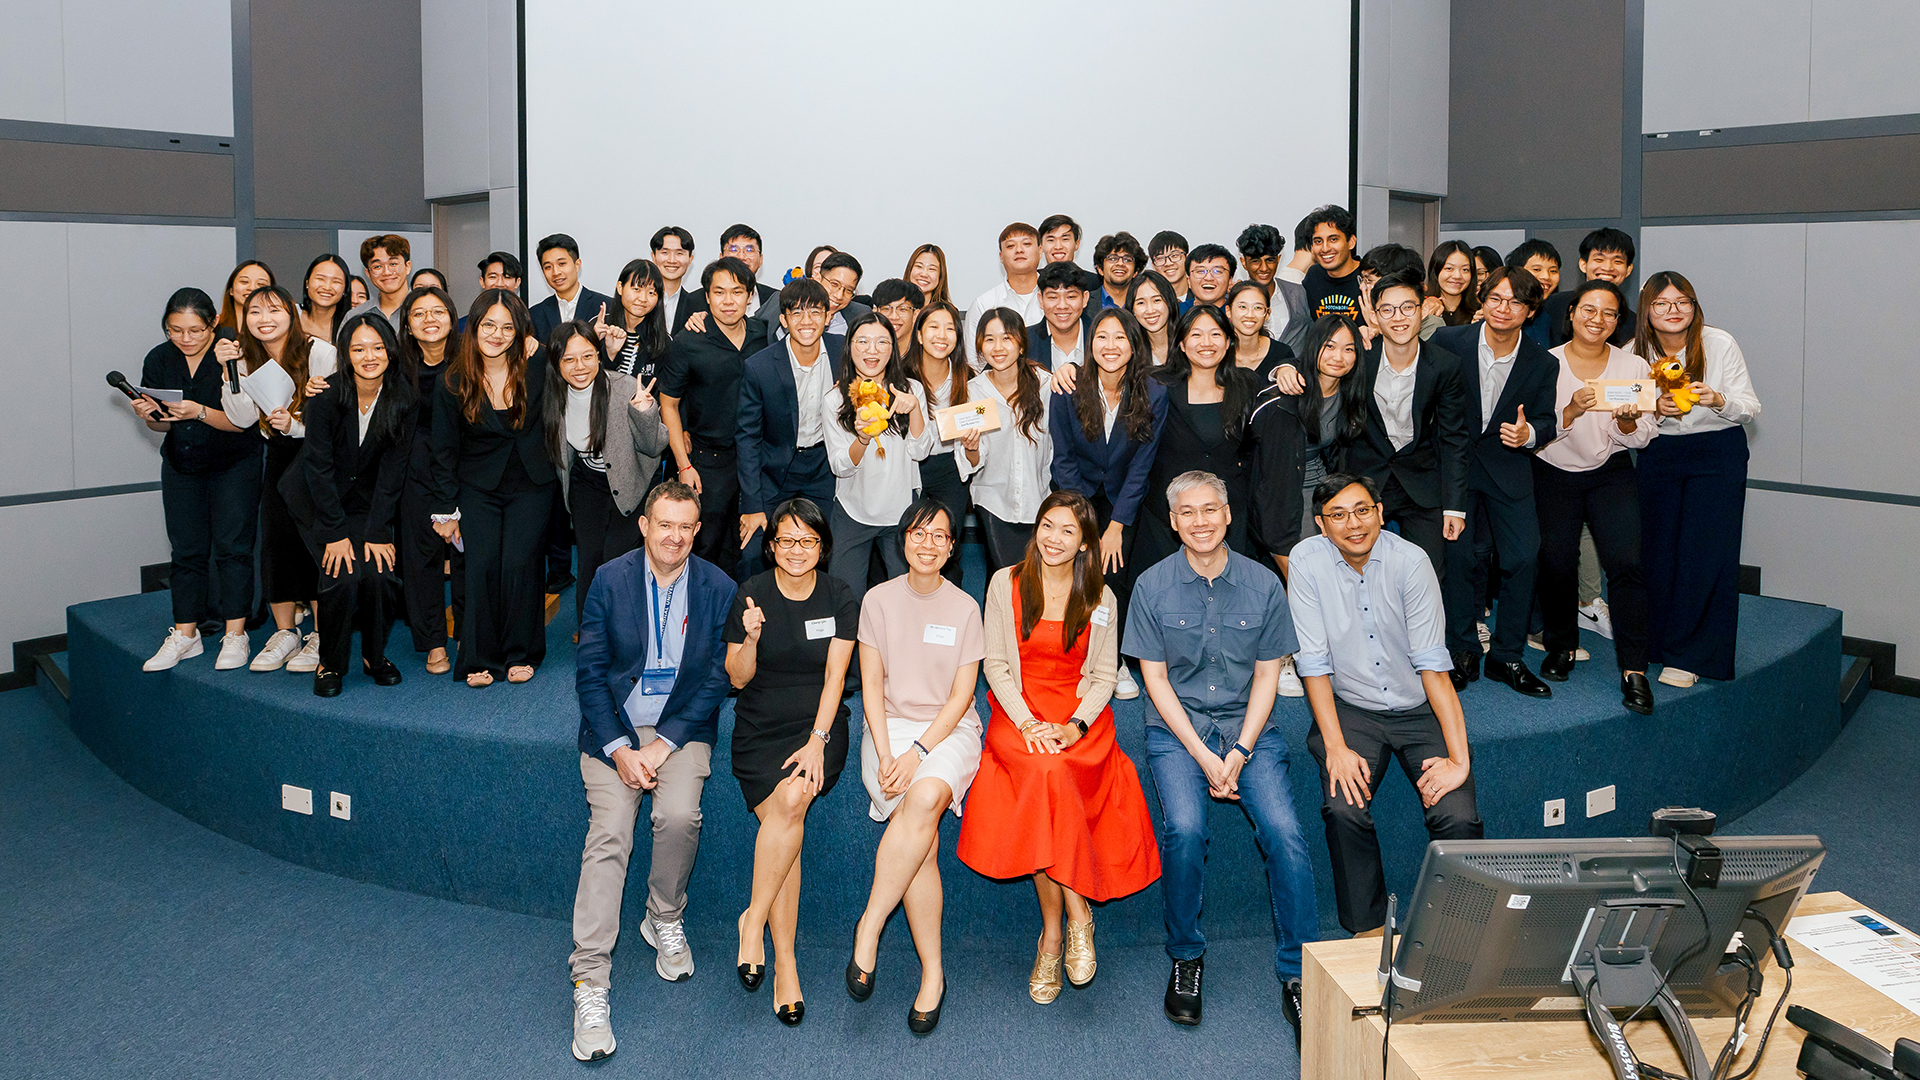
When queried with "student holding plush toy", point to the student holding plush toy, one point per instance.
{"points": [[877, 433]]}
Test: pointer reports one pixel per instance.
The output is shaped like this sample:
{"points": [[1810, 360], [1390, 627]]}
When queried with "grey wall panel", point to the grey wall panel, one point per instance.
{"points": [[503, 104], [1534, 127], [1725, 63], [337, 111], [1862, 396], [156, 66], [1826, 177], [36, 444], [61, 178], [1855, 556], [61, 553], [1417, 96], [289, 251], [31, 74], [454, 79], [1864, 54]]}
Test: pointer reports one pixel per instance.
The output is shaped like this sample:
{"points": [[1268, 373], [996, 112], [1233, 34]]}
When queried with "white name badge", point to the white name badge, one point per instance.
{"points": [[819, 628], [1616, 394], [969, 421], [941, 635], [1102, 615]]}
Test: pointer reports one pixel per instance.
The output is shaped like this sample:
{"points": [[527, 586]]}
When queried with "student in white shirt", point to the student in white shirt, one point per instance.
{"points": [[877, 473], [938, 363], [1011, 468], [1020, 258]]}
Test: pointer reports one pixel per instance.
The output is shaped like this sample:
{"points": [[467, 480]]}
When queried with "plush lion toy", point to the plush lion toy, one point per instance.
{"points": [[872, 409], [1671, 375]]}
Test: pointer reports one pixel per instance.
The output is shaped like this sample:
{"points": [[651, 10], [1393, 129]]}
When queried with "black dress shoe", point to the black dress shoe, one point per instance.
{"points": [[859, 983], [326, 683], [1515, 674], [791, 1015], [1636, 693], [1290, 1007], [1557, 666], [382, 673], [751, 976], [1183, 991], [1468, 664], [923, 1023]]}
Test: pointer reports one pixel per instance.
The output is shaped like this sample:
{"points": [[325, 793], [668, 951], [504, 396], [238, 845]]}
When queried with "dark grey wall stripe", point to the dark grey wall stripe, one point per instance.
{"points": [[335, 223], [1833, 176], [113, 219], [33, 497], [243, 129], [1848, 494], [71, 178], [130, 138], [1810, 131]]}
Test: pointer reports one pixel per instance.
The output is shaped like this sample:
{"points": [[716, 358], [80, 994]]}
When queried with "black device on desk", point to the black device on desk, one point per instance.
{"points": [[1834, 1051]]}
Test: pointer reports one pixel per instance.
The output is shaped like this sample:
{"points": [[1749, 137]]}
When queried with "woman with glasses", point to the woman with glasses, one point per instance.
{"points": [[789, 641], [1254, 351], [428, 563], [877, 467], [1693, 486]]}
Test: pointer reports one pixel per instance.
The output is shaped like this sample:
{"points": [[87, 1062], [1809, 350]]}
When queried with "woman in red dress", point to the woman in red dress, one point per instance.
{"points": [[1055, 798]]}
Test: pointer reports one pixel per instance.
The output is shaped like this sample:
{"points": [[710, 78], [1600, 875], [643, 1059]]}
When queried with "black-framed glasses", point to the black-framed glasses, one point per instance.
{"points": [[788, 543]]}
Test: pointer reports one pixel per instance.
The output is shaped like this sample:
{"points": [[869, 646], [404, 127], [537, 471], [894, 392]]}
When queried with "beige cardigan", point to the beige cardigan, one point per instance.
{"points": [[1002, 665]]}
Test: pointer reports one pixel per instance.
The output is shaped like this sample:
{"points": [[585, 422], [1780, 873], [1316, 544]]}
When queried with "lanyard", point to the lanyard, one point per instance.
{"points": [[660, 617]]}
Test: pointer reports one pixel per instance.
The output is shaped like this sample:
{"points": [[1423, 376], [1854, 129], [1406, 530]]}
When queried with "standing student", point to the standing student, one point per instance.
{"points": [[344, 493], [782, 429], [1300, 439], [1485, 261], [635, 332], [1009, 469], [1693, 486], [927, 270], [1056, 799], [1541, 259], [1118, 257], [840, 275], [501, 270], [1253, 349], [816, 257], [560, 264], [428, 276], [246, 279], [1152, 301], [1605, 255], [494, 488], [209, 485], [1586, 477], [388, 261], [1020, 259], [651, 677], [900, 301], [789, 640], [1260, 249], [357, 292], [1210, 269], [1168, 253], [1295, 269], [672, 249], [743, 242], [1058, 341], [321, 294], [921, 643], [877, 473], [429, 565], [1383, 261], [1453, 283], [936, 362], [1332, 284], [1059, 239]]}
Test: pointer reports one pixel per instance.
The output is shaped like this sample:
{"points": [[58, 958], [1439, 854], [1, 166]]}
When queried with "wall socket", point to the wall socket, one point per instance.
{"points": [[341, 806], [1600, 801], [1556, 812], [297, 799]]}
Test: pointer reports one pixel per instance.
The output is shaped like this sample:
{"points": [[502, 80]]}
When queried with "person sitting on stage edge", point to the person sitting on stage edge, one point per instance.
{"points": [[651, 676]]}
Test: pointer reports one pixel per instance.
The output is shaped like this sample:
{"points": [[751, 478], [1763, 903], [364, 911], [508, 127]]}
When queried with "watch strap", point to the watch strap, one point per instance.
{"points": [[1244, 752]]}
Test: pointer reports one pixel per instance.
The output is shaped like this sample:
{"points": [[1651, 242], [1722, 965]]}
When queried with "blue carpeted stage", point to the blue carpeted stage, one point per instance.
{"points": [[475, 795]]}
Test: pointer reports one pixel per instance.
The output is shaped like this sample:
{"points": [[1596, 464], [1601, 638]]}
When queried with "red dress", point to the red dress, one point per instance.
{"points": [[1080, 814]]}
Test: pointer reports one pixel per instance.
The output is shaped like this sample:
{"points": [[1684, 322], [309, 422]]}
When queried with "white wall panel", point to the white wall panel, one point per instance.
{"points": [[1855, 556], [31, 76], [63, 553], [36, 444], [153, 66], [1864, 54], [1862, 396], [1727, 63]]}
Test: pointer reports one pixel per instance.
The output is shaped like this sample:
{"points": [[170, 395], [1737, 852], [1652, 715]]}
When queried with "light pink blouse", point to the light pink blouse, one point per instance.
{"points": [[1594, 437]]}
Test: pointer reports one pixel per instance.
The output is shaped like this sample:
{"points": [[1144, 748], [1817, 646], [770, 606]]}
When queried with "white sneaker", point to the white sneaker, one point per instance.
{"points": [[176, 648], [592, 1023], [278, 649], [1597, 618], [1674, 676], [1126, 689], [308, 658], [233, 651], [675, 960], [1290, 685]]}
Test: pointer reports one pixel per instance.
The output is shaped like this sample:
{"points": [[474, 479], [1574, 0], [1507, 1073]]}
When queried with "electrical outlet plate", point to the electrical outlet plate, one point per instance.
{"points": [[1556, 812], [297, 799], [340, 806], [1600, 801]]}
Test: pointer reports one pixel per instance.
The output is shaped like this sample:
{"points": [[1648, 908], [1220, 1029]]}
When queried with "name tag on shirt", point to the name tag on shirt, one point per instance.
{"points": [[941, 635], [819, 628], [1102, 615], [648, 699]]}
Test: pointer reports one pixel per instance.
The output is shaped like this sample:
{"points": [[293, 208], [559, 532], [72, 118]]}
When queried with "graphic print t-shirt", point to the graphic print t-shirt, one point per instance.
{"points": [[1329, 295]]}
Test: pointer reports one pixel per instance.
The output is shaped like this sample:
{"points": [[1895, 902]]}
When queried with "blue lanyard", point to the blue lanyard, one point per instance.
{"points": [[660, 617]]}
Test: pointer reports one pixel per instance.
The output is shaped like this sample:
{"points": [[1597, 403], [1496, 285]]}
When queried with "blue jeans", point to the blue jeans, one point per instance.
{"points": [[1267, 799]]}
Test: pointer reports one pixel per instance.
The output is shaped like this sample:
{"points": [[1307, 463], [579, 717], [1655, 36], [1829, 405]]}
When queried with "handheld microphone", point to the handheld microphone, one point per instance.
{"points": [[119, 382]]}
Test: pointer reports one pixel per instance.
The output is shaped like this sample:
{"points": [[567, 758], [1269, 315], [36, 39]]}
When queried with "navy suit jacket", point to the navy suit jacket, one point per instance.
{"points": [[770, 421], [1040, 339], [1117, 465], [613, 650], [546, 313], [1491, 465], [1432, 469]]}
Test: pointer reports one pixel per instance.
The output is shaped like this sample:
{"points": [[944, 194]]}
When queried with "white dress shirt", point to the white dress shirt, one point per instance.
{"points": [[1725, 370], [881, 487], [1014, 474], [1494, 372], [1374, 631], [1001, 295], [1062, 359], [366, 412], [568, 307], [810, 388], [1393, 393], [671, 302], [1593, 437]]}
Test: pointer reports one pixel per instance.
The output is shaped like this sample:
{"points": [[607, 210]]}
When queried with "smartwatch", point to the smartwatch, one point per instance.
{"points": [[1244, 752], [1082, 725]]}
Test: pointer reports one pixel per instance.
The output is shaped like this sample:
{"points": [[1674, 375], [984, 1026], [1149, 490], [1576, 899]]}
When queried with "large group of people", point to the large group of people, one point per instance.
{"points": [[1322, 479]]}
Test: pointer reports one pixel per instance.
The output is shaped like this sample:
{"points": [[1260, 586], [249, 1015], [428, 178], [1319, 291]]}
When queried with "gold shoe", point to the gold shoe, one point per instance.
{"points": [[1044, 984], [1080, 961]]}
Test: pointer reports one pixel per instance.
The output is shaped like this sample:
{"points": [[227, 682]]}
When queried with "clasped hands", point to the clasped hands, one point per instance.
{"points": [[640, 769]]}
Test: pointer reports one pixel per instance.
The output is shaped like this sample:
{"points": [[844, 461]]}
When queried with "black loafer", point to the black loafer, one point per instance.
{"points": [[1290, 1007], [1515, 674], [1466, 666], [382, 673], [859, 983], [1636, 693], [923, 1023], [751, 976], [326, 684], [1557, 666], [1183, 991], [791, 1015]]}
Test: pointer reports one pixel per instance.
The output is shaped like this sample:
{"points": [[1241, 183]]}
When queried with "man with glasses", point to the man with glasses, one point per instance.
{"points": [[1116, 259], [1210, 270], [388, 261], [1168, 251], [743, 243], [1366, 606], [1210, 628]]}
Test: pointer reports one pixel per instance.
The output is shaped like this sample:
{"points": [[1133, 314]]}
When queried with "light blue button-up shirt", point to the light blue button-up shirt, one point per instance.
{"points": [[1375, 630]]}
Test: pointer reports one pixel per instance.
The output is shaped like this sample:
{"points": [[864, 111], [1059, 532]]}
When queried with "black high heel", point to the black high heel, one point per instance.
{"points": [[791, 1015], [859, 983], [751, 975], [923, 1023]]}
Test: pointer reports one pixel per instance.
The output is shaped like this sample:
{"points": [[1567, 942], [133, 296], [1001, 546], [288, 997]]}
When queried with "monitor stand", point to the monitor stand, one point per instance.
{"points": [[1613, 969]]}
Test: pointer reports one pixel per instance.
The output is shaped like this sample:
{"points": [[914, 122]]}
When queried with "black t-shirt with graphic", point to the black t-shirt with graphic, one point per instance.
{"points": [[1329, 295]]}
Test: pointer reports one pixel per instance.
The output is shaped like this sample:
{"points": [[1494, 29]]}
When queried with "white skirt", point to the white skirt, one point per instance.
{"points": [[956, 760]]}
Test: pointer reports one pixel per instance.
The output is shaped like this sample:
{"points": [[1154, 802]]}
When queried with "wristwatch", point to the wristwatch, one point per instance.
{"points": [[1244, 752], [1082, 725], [825, 736]]}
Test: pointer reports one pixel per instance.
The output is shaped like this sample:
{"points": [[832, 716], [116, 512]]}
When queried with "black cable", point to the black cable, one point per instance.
{"points": [[1785, 959], [1386, 1037], [1706, 936]]}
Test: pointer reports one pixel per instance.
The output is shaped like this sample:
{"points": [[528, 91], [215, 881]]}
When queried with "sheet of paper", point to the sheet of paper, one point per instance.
{"points": [[162, 395], [269, 386], [1865, 946]]}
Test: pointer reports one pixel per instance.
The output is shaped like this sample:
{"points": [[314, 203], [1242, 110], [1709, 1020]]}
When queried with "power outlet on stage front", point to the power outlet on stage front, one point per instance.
{"points": [[1556, 812]]}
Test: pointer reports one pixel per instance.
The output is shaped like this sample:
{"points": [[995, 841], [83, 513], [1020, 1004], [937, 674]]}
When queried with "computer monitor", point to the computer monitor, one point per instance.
{"points": [[1493, 926]]}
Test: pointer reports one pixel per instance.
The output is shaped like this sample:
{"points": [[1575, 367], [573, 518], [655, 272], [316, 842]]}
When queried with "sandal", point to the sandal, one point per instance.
{"points": [[479, 680], [514, 673]]}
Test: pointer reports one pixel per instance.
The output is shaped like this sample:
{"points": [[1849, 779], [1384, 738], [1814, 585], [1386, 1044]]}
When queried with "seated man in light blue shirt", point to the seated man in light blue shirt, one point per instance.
{"points": [[1373, 655]]}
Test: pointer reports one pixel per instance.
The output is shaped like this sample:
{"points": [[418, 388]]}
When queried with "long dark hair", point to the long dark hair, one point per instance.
{"points": [[553, 411], [1087, 579], [894, 378], [341, 306], [957, 370], [232, 315], [1470, 298], [1352, 395], [1155, 280], [1028, 409], [468, 373], [1236, 383], [1647, 343], [1136, 410], [416, 353], [652, 330], [399, 388], [293, 359]]}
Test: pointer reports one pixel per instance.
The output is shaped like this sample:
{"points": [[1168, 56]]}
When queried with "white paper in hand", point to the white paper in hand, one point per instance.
{"points": [[269, 386]]}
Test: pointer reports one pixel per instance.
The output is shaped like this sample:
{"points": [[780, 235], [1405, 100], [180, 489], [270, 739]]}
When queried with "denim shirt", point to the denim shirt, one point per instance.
{"points": [[1209, 634]]}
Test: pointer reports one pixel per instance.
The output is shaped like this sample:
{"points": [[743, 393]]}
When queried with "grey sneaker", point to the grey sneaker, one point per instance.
{"points": [[669, 939], [592, 1023]]}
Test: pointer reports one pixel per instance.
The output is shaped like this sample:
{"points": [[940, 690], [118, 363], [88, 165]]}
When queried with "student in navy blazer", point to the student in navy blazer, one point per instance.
{"points": [[559, 258], [772, 464], [1500, 512]]}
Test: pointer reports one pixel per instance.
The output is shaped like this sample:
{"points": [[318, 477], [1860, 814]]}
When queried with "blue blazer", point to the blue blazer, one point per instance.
{"points": [[546, 313], [1535, 378], [613, 650], [1117, 466], [1040, 339], [770, 421]]}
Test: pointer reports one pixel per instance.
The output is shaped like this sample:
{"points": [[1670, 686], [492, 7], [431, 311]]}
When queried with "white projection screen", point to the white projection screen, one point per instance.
{"points": [[877, 125]]}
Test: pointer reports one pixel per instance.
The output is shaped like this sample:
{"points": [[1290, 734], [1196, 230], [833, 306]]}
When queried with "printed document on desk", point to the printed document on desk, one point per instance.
{"points": [[1867, 947]]}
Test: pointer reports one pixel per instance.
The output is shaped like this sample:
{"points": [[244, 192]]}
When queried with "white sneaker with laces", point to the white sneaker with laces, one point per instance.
{"points": [[308, 658], [592, 1023], [175, 648], [234, 648], [1126, 689], [1290, 685], [1673, 676], [277, 651], [1597, 618], [675, 960]]}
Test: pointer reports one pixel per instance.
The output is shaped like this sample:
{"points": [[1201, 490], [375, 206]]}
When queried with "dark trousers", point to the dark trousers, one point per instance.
{"points": [[505, 533], [1423, 525], [856, 544], [211, 518], [604, 533], [1005, 541], [1412, 736], [718, 541], [1693, 499], [808, 476], [1510, 528], [359, 598], [288, 573], [425, 559], [1121, 580], [940, 479], [1607, 501], [559, 543]]}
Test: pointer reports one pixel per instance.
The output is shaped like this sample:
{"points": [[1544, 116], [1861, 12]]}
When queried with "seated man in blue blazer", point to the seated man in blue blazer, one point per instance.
{"points": [[651, 678], [781, 451], [560, 264]]}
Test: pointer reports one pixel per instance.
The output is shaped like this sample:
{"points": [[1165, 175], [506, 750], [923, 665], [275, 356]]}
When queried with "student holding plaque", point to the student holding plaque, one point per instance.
{"points": [[1009, 467], [935, 361]]}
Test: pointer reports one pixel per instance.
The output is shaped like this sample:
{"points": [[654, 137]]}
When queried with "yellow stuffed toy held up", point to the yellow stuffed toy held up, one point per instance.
{"points": [[872, 409], [1671, 375]]}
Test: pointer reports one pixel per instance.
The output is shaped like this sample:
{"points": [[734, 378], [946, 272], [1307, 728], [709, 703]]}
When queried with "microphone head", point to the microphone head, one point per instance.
{"points": [[114, 378]]}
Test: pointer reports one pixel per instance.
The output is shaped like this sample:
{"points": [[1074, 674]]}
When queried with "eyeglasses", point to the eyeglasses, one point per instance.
{"points": [[788, 543], [930, 536], [1120, 257], [1209, 271], [1361, 514], [1172, 257], [1588, 311], [1505, 303], [1672, 307], [1394, 311], [741, 250], [1187, 515]]}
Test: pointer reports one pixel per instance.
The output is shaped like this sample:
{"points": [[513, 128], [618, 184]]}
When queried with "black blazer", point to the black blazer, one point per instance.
{"points": [[343, 488], [1535, 376], [1040, 339], [1183, 446], [475, 454], [770, 421], [1279, 471], [546, 313], [1432, 469]]}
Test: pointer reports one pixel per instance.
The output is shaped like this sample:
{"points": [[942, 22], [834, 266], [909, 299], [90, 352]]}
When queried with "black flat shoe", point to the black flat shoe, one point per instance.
{"points": [[1515, 674], [751, 976], [791, 1015], [1290, 1007], [1183, 991], [1466, 666], [859, 983], [326, 684], [923, 1023], [1636, 693], [383, 673], [1557, 666]]}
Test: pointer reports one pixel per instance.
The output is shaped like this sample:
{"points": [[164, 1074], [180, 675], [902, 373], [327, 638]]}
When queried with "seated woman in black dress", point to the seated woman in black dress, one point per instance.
{"points": [[789, 641]]}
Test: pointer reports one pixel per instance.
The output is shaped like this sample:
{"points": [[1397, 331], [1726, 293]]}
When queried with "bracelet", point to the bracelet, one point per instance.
{"points": [[921, 750], [683, 468], [825, 736], [442, 519]]}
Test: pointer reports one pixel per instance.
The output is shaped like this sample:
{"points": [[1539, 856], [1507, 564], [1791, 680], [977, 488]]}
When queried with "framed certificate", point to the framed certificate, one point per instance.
{"points": [[956, 420], [1610, 394]]}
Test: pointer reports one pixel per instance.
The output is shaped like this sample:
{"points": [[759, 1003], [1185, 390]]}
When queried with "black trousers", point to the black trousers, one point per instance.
{"points": [[718, 541], [288, 573], [211, 518], [1510, 528], [1005, 541], [559, 543], [360, 598], [425, 559], [1607, 501], [940, 479], [1412, 736], [604, 533], [1121, 580], [809, 477], [505, 624], [1423, 525], [1693, 499]]}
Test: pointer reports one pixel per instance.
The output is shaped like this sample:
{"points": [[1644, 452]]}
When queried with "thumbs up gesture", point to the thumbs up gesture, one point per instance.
{"points": [[752, 620], [1516, 435]]}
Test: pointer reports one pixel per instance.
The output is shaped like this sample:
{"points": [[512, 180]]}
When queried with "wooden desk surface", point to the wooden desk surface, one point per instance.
{"points": [[1340, 974]]}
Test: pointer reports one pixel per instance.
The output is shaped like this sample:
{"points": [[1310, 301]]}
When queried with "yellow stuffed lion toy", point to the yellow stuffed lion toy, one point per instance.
{"points": [[1671, 375]]}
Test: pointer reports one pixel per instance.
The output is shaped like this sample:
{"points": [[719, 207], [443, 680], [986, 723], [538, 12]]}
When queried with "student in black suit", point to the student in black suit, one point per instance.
{"points": [[346, 491], [428, 564], [1509, 382], [1415, 447], [494, 487], [743, 242], [672, 248], [936, 360], [781, 445], [1541, 259], [840, 274], [560, 264], [1605, 255]]}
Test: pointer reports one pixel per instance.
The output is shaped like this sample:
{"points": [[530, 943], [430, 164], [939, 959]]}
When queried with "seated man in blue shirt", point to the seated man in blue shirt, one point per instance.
{"points": [[1373, 654], [1210, 627]]}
